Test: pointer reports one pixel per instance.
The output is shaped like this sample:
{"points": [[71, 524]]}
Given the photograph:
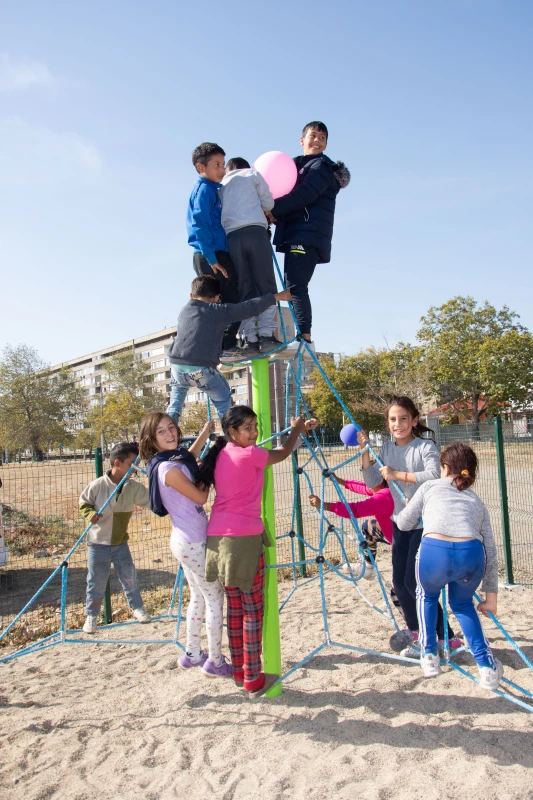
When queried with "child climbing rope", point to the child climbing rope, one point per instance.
{"points": [[172, 491], [236, 535], [409, 461], [380, 505], [457, 551]]}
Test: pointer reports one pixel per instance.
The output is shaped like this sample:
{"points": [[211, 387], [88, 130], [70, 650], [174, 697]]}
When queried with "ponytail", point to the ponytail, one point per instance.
{"points": [[405, 402], [462, 463], [206, 473]]}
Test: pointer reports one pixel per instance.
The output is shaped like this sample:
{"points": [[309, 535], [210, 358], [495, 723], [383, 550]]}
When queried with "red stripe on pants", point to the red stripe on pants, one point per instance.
{"points": [[245, 624]]}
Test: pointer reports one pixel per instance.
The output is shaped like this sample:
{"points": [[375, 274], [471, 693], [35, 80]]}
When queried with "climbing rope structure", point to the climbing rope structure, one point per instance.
{"points": [[304, 553]]}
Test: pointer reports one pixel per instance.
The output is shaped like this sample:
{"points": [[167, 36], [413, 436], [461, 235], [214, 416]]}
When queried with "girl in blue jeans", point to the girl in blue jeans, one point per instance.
{"points": [[457, 551]]}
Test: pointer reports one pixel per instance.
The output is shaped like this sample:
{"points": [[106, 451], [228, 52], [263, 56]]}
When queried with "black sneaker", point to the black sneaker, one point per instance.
{"points": [[249, 349], [267, 343]]}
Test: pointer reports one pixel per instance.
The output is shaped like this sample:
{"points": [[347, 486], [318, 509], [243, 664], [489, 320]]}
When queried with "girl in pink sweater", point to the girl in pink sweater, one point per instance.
{"points": [[380, 506]]}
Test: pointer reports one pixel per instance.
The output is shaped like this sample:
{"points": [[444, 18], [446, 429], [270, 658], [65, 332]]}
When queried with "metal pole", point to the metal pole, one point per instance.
{"points": [[504, 501], [99, 469], [299, 520], [271, 635]]}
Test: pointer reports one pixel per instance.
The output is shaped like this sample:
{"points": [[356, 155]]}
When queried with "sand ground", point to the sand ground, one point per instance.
{"points": [[84, 722]]}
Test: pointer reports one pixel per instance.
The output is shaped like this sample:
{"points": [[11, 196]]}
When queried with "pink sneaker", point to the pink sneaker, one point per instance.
{"points": [[453, 644], [224, 670]]}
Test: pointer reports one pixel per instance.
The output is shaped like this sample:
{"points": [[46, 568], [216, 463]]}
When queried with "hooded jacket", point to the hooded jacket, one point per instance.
{"points": [[305, 215], [204, 228]]}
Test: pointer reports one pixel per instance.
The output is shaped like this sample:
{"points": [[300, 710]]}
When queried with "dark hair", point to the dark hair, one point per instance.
{"points": [[318, 126], [149, 426], [237, 163], [462, 462], [205, 286], [233, 418], [121, 451], [406, 403], [204, 151]]}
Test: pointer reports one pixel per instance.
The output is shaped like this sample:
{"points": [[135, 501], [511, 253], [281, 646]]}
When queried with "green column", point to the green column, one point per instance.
{"points": [[271, 635], [99, 469], [504, 501]]}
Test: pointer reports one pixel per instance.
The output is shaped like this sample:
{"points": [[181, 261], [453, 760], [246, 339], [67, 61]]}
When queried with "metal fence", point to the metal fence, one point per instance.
{"points": [[41, 522]]}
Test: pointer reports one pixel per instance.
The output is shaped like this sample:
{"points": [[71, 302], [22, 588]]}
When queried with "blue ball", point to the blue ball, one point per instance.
{"points": [[349, 434]]}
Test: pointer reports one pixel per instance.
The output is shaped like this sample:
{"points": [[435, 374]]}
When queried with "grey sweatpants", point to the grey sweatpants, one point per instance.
{"points": [[251, 253]]}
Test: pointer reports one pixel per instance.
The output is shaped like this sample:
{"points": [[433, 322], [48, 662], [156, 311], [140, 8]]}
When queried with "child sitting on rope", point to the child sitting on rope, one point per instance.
{"points": [[107, 539], [246, 199], [457, 551], [236, 535], [380, 505]]}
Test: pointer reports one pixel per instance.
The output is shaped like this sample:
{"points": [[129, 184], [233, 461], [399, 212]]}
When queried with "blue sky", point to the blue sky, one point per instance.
{"points": [[102, 103]]}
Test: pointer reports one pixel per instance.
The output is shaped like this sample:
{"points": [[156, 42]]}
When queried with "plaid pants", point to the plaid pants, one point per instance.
{"points": [[245, 624]]}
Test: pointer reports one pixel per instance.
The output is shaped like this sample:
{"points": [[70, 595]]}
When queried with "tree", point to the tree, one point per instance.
{"points": [[366, 381], [193, 418], [478, 358], [37, 409], [123, 407]]}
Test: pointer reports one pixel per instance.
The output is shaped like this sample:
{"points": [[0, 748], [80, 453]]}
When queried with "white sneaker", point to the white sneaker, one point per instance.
{"points": [[411, 651], [352, 568], [490, 678], [140, 615], [90, 625], [430, 664], [370, 572]]}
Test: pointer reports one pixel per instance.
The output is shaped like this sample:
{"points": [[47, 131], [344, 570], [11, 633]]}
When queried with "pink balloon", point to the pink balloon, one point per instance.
{"points": [[279, 171]]}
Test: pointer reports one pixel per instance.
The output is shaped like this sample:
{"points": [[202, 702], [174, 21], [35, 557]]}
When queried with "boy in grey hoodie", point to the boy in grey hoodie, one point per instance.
{"points": [[246, 200]]}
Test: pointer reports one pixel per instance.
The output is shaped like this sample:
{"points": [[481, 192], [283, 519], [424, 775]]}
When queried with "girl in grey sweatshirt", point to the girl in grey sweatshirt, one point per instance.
{"points": [[457, 551]]}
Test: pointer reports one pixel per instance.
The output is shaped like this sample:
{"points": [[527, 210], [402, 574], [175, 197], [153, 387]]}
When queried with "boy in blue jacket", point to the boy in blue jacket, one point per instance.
{"points": [[206, 234], [304, 218]]}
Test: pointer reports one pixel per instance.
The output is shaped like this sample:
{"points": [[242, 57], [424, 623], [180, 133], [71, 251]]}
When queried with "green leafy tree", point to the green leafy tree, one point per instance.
{"points": [[37, 409], [365, 382], [478, 358], [193, 418]]}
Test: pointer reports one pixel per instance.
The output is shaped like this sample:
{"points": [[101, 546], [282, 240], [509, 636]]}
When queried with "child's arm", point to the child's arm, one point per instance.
{"points": [[298, 425], [366, 508], [431, 471], [357, 487], [315, 183], [235, 312], [265, 195], [87, 509], [141, 495], [197, 446], [178, 481], [362, 441], [201, 227], [490, 578], [409, 518]]}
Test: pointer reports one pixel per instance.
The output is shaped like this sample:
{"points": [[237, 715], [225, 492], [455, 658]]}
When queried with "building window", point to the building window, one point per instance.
{"points": [[241, 389]]}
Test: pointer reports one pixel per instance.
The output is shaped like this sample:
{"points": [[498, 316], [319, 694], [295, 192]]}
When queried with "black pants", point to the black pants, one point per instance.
{"points": [[229, 291], [299, 266], [405, 546]]}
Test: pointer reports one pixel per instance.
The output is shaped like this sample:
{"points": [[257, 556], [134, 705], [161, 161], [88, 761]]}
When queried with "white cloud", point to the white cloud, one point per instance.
{"points": [[20, 75], [31, 155]]}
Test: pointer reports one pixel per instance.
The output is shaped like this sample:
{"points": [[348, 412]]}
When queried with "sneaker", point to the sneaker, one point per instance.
{"points": [[267, 343], [140, 615], [270, 680], [490, 678], [412, 651], [238, 677], [430, 664], [352, 568], [249, 349], [224, 670], [370, 572], [394, 598], [402, 639], [90, 625], [185, 662]]}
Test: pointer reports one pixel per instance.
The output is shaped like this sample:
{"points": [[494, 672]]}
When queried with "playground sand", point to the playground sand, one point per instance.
{"points": [[84, 722]]}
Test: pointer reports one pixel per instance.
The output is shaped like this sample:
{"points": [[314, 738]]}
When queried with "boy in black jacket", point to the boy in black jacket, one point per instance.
{"points": [[195, 352], [304, 218]]}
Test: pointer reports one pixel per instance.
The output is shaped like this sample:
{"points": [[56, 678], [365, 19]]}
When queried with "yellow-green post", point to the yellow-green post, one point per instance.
{"points": [[271, 635]]}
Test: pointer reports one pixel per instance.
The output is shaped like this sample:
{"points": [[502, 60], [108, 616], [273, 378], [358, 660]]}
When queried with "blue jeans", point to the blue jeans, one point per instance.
{"points": [[460, 566], [99, 560], [208, 380]]}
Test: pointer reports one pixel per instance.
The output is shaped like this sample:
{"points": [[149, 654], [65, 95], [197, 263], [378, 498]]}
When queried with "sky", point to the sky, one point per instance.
{"points": [[428, 102]]}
